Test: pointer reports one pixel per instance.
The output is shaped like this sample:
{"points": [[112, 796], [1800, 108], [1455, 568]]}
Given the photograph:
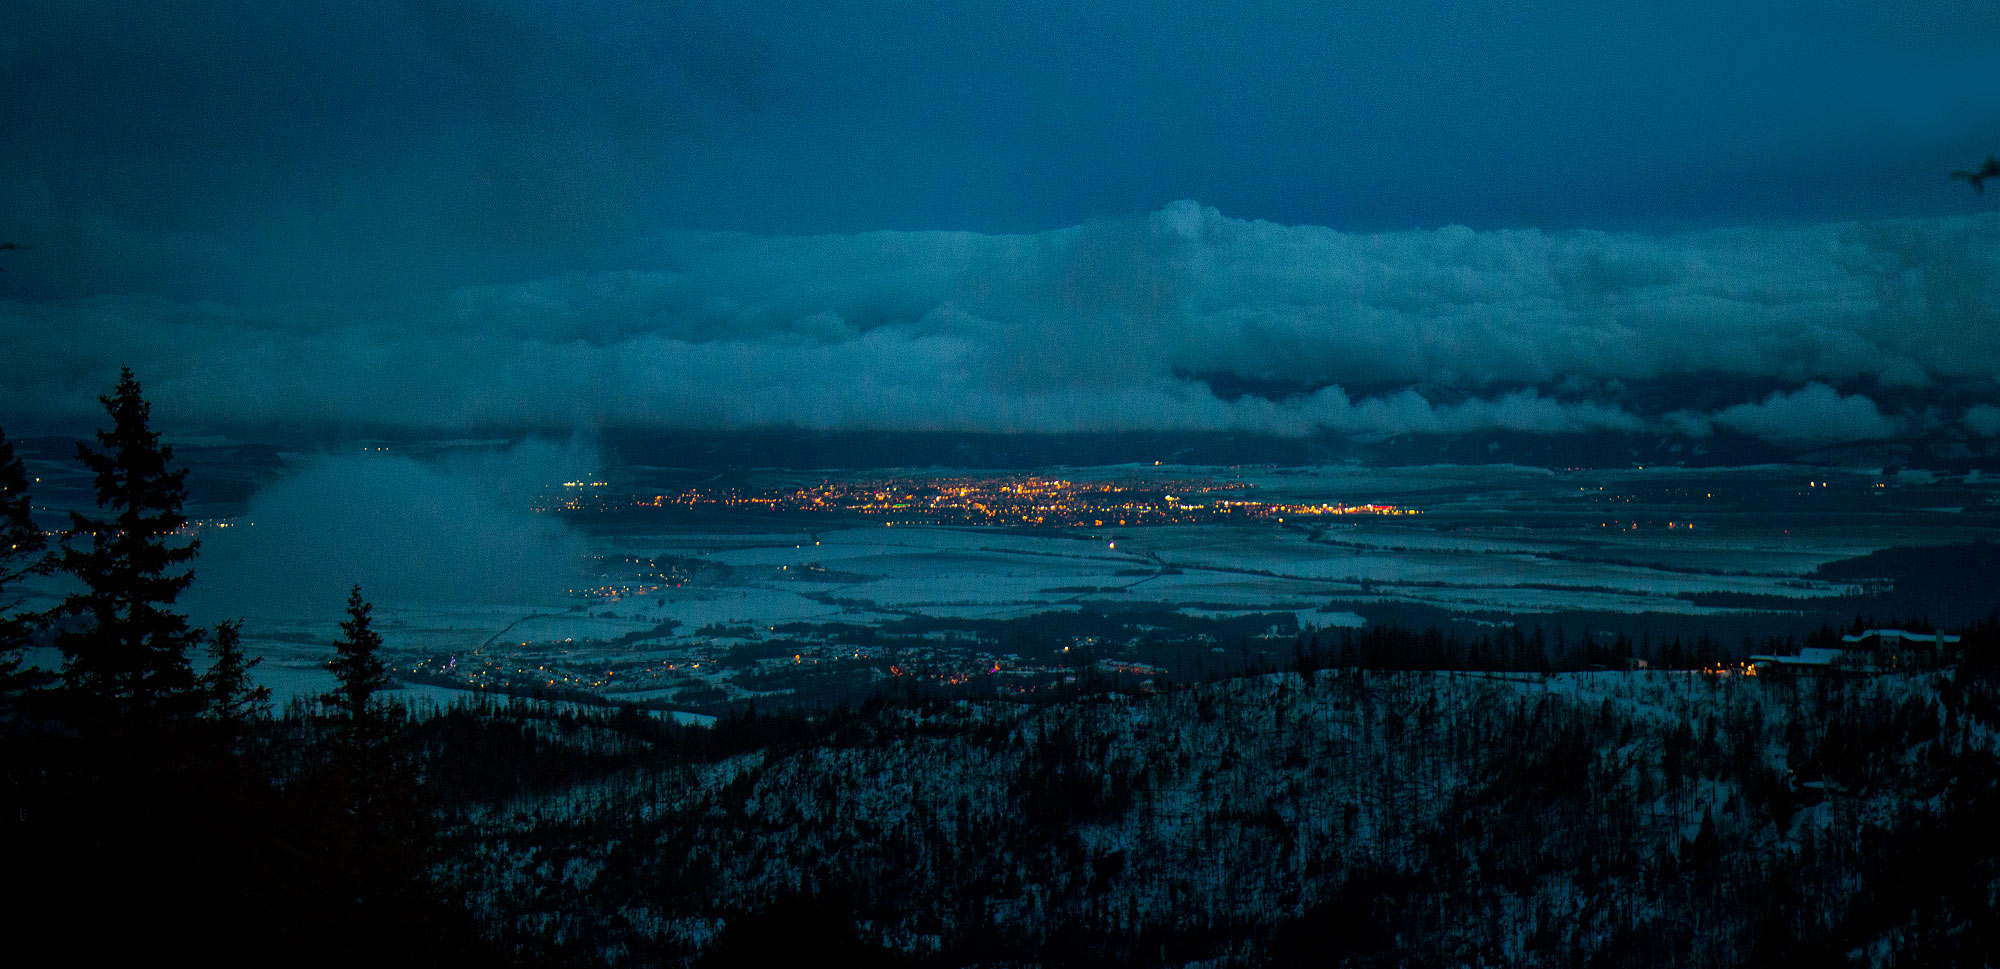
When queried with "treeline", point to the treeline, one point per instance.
{"points": [[1506, 649], [151, 811], [1510, 649], [493, 749], [1345, 818]]}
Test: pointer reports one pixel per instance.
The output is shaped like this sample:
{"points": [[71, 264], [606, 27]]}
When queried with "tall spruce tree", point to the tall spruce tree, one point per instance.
{"points": [[373, 779], [21, 545], [125, 649], [356, 663], [377, 839], [138, 813], [371, 776], [233, 701]]}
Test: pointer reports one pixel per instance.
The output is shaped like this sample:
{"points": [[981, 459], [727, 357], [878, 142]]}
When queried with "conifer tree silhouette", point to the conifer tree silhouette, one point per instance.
{"points": [[126, 654], [233, 701], [356, 663], [21, 545], [378, 833]]}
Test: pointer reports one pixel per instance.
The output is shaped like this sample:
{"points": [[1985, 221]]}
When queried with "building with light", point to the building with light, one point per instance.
{"points": [[1868, 651]]}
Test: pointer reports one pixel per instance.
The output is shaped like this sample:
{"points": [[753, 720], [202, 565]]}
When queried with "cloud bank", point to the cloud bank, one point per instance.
{"points": [[1181, 319], [408, 532]]}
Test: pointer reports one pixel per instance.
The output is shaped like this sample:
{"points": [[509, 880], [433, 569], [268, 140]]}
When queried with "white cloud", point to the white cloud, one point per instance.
{"points": [[1815, 415], [1687, 423], [1098, 327], [1983, 420]]}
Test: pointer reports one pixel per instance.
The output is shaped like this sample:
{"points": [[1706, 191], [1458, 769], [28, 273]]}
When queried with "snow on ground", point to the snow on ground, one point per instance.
{"points": [[1421, 540], [755, 606], [569, 626], [290, 682], [1472, 551], [968, 573]]}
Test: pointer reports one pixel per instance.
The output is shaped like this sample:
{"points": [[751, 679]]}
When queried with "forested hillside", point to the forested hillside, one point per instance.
{"points": [[1343, 817]]}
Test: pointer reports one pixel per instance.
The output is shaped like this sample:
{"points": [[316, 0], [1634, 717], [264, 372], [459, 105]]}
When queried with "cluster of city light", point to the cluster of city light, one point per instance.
{"points": [[1007, 500], [700, 663]]}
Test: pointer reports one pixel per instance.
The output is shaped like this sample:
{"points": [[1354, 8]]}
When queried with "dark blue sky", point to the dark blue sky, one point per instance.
{"points": [[352, 146], [252, 177]]}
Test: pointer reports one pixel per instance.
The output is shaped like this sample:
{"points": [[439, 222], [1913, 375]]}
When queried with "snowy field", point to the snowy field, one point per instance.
{"points": [[946, 573], [1493, 539]]}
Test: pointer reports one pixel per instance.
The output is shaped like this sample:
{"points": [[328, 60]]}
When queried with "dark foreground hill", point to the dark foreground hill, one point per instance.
{"points": [[1639, 818]]}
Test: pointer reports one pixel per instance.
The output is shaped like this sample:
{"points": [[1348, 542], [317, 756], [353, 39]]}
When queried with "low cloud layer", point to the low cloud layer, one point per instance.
{"points": [[1815, 415], [408, 532], [1182, 319]]}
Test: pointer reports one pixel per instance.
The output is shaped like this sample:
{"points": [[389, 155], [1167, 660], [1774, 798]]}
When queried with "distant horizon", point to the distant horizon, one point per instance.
{"points": [[853, 451]]}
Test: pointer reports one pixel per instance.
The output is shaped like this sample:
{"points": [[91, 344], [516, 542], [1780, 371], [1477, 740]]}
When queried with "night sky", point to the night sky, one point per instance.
{"points": [[1361, 218]]}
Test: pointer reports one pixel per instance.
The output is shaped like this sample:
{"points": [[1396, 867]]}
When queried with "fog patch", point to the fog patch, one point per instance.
{"points": [[411, 533]]}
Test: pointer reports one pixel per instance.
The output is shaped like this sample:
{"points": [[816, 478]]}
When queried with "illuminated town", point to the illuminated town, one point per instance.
{"points": [[1018, 501], [709, 667]]}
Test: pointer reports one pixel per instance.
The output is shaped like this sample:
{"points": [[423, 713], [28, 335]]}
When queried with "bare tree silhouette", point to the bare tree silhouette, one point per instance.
{"points": [[1978, 179]]}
